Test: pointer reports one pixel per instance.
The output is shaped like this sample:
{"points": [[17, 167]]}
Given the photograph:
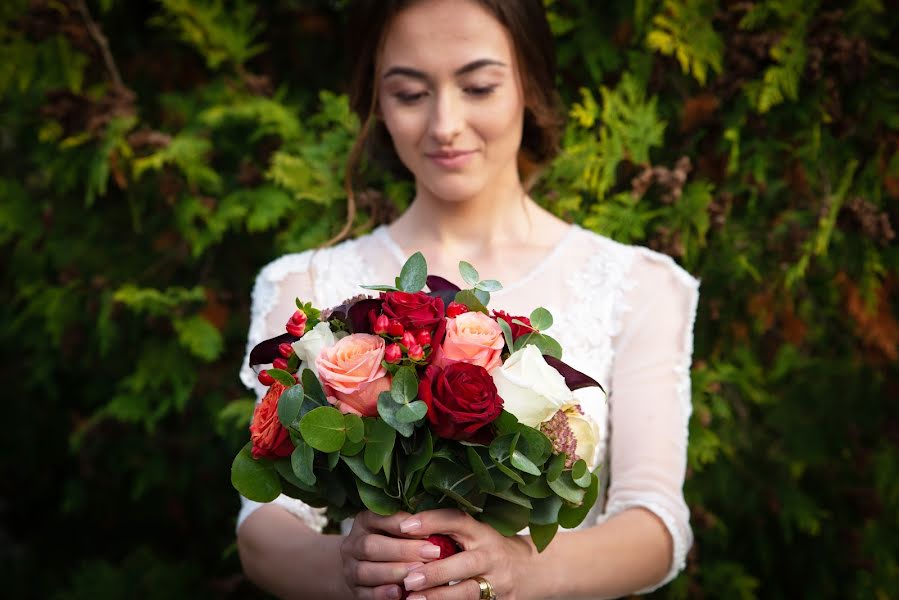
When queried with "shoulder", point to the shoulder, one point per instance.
{"points": [[638, 265], [314, 259]]}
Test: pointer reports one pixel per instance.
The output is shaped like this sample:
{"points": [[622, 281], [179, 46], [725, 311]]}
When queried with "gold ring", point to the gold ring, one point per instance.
{"points": [[487, 592]]}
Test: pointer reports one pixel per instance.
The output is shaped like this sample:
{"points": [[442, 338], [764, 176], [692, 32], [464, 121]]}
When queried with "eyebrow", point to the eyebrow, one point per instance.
{"points": [[472, 66]]}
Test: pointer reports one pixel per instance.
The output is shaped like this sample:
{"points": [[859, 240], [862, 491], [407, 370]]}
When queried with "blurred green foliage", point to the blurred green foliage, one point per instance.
{"points": [[153, 155]]}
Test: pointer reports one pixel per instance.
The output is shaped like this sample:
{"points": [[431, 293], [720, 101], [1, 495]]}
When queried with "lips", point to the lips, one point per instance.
{"points": [[451, 159]]}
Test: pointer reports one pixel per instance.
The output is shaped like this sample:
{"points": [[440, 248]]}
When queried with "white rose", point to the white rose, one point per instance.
{"points": [[312, 343], [586, 432], [531, 390]]}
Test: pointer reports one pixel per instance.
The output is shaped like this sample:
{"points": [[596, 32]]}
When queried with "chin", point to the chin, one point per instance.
{"points": [[453, 188]]}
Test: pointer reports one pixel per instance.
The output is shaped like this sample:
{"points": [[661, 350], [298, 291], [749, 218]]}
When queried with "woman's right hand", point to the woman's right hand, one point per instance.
{"points": [[376, 560]]}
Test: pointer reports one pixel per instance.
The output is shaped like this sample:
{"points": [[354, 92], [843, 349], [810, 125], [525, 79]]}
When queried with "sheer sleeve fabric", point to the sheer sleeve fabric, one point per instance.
{"points": [[650, 402], [276, 287]]}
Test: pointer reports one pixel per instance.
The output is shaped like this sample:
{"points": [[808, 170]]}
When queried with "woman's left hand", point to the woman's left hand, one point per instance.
{"points": [[505, 562]]}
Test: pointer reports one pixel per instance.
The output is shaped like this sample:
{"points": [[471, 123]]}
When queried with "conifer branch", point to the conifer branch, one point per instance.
{"points": [[94, 30]]}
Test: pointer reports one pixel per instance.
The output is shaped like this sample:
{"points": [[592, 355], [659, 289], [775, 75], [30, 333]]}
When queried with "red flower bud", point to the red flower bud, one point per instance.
{"points": [[455, 309], [395, 328], [381, 325], [416, 352], [298, 317], [285, 349], [408, 340], [296, 330], [280, 363], [423, 337], [392, 353], [264, 378]]}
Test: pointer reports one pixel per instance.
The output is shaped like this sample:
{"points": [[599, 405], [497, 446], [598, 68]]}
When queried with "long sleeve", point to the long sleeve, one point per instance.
{"points": [[650, 397], [276, 287]]}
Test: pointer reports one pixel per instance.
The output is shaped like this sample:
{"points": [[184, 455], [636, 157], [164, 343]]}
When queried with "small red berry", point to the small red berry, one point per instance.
{"points": [[298, 317], [280, 363], [416, 352], [296, 330], [395, 328], [455, 309], [408, 340], [381, 324], [285, 349], [264, 378], [392, 353], [423, 337]]}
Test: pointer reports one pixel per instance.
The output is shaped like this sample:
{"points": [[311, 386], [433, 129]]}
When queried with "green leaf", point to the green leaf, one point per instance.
{"points": [[323, 428], [352, 448], [411, 413], [514, 496], [313, 388], [414, 274], [578, 469], [381, 288], [580, 475], [482, 296], [289, 405], [538, 488], [541, 319], [544, 343], [301, 462], [469, 299], [555, 466], [501, 450], [358, 467], [506, 517], [523, 463], [290, 480], [506, 422], [507, 333], [200, 337], [542, 535], [379, 440], [388, 409], [469, 273], [282, 377], [572, 516], [485, 482], [566, 488], [444, 476], [255, 479], [355, 428], [421, 456], [534, 444], [546, 510], [376, 500], [489, 285], [404, 387], [333, 459]]}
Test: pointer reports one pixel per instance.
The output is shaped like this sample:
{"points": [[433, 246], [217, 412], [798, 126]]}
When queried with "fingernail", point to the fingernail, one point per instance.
{"points": [[394, 593], [416, 597], [430, 551], [413, 581], [410, 525], [414, 566]]}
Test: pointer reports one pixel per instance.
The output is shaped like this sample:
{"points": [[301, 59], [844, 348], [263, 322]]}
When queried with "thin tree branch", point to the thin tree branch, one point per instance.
{"points": [[94, 30]]}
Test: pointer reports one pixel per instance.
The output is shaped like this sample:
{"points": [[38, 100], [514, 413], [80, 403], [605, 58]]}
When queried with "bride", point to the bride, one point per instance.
{"points": [[459, 94]]}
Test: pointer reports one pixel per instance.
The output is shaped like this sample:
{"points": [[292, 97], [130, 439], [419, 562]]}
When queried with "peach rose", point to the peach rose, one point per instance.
{"points": [[352, 374], [472, 338]]}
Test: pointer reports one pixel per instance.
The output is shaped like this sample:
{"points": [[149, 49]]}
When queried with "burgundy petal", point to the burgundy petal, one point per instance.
{"points": [[357, 315], [266, 351], [574, 379]]}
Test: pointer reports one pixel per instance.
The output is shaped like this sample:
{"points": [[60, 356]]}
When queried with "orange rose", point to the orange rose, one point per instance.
{"points": [[472, 338], [270, 438], [352, 373]]}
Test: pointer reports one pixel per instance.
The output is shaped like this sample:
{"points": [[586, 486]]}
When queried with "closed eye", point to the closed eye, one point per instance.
{"points": [[407, 98], [480, 92]]}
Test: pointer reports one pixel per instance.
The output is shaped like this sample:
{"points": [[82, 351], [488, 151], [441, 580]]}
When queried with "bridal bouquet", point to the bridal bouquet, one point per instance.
{"points": [[414, 401]]}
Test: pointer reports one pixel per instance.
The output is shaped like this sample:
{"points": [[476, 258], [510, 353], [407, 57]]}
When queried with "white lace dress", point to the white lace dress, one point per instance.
{"points": [[623, 314]]}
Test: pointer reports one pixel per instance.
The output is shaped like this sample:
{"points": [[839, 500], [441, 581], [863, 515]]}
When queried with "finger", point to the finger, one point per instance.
{"points": [[381, 548], [373, 574], [373, 522], [450, 521], [382, 592], [458, 567], [464, 590]]}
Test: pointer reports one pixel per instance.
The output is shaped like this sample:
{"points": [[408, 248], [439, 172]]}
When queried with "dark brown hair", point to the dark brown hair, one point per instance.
{"points": [[535, 53]]}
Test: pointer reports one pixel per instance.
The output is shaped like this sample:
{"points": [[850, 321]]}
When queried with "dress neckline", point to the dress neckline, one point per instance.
{"points": [[381, 233]]}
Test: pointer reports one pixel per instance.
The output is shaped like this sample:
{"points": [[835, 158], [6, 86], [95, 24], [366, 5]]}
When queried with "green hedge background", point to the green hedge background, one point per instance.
{"points": [[155, 154]]}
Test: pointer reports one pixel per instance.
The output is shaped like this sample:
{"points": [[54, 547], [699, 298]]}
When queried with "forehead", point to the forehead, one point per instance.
{"points": [[437, 35]]}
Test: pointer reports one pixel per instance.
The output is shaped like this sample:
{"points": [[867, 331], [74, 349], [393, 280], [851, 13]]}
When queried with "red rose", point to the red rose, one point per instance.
{"points": [[414, 311], [270, 438], [517, 330], [462, 401]]}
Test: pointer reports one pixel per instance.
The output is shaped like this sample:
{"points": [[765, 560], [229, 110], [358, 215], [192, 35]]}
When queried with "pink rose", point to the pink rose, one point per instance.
{"points": [[472, 338], [352, 373]]}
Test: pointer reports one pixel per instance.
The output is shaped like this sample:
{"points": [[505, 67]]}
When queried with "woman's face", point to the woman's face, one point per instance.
{"points": [[451, 98]]}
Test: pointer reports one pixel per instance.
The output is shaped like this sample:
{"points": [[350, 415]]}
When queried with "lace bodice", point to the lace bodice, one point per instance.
{"points": [[623, 314]]}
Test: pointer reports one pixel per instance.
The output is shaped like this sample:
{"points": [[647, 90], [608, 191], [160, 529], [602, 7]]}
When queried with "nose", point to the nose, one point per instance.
{"points": [[447, 118]]}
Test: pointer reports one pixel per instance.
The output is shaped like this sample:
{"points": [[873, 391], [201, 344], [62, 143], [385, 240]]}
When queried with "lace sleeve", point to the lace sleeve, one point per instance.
{"points": [[276, 287], [650, 398]]}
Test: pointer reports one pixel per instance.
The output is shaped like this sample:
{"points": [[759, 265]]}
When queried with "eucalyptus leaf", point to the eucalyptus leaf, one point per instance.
{"points": [[352, 448], [584, 480], [482, 296], [301, 462], [541, 319], [469, 273], [485, 482], [572, 516], [387, 410], [514, 496], [379, 440], [543, 342], [323, 428], [313, 388], [404, 387], [290, 480], [506, 422], [376, 500], [254, 479], [546, 510], [466, 504], [578, 469], [534, 444], [506, 517], [442, 476], [537, 488], [414, 274], [282, 377], [358, 467], [507, 333], [556, 465], [489, 285], [523, 463], [421, 455], [410, 413], [289, 405], [469, 299], [380, 288], [501, 450], [355, 428], [566, 488], [333, 459], [542, 535]]}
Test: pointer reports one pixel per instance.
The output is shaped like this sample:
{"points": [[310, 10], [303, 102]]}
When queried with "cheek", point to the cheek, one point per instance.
{"points": [[405, 127]]}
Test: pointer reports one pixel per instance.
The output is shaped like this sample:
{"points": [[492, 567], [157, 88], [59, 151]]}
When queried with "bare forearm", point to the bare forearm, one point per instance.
{"points": [[630, 551], [283, 556]]}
